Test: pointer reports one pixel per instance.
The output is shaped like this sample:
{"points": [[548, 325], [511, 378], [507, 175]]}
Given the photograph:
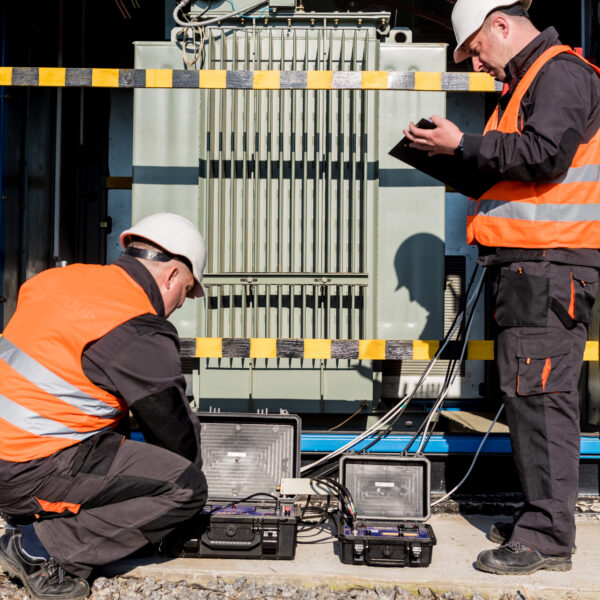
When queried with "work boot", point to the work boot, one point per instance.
{"points": [[43, 579], [500, 532], [517, 559]]}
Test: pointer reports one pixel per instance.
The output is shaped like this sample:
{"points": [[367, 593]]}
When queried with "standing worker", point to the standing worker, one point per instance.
{"points": [[86, 345], [538, 229]]}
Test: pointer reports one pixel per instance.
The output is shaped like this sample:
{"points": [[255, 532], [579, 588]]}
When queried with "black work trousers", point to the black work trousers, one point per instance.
{"points": [[543, 310], [104, 499]]}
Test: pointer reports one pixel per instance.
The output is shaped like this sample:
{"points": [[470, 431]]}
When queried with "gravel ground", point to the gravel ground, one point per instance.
{"points": [[126, 588]]}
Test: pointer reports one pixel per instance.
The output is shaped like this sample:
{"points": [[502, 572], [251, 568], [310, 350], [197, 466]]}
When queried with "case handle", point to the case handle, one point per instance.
{"points": [[230, 544], [384, 562]]}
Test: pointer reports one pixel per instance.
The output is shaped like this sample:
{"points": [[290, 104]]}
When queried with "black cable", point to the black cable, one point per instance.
{"points": [[449, 370], [464, 341], [328, 516], [205, 10], [324, 516], [389, 425], [305, 506], [447, 379], [328, 470], [208, 3], [317, 512], [456, 358], [384, 432], [344, 495], [244, 500], [320, 541]]}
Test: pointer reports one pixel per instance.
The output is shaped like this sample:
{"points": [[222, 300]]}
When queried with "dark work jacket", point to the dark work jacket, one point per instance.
{"points": [[560, 110], [139, 362]]}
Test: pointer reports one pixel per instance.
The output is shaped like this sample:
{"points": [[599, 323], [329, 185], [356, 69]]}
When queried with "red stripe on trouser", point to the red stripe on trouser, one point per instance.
{"points": [[572, 302], [546, 373], [59, 507]]}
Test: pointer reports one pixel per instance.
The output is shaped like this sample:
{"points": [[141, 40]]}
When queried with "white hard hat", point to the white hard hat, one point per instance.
{"points": [[177, 235], [468, 16]]}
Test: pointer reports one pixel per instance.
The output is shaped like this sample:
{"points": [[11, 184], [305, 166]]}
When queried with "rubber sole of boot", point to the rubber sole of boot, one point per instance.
{"points": [[496, 536], [13, 573], [558, 563]]}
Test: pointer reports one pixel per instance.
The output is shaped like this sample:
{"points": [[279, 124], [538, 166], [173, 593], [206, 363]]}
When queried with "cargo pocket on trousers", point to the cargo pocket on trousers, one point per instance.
{"points": [[584, 289], [96, 454], [522, 300], [544, 365]]}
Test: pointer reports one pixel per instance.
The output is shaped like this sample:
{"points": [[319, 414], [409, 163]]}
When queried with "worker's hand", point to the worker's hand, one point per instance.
{"points": [[444, 139]]}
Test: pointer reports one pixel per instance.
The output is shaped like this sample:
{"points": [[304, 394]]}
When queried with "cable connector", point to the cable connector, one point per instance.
{"points": [[304, 486]]}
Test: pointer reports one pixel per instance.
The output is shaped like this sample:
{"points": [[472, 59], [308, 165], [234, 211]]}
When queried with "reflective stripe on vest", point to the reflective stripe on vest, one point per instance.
{"points": [[47, 403], [585, 174], [560, 213], [29, 421], [512, 209], [51, 383]]}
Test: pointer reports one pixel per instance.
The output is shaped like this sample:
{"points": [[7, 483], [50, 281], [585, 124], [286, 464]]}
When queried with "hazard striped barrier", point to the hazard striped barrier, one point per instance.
{"points": [[328, 349], [417, 81]]}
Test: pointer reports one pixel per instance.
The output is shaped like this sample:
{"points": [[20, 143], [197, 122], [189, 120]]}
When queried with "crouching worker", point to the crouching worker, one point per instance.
{"points": [[86, 345]]}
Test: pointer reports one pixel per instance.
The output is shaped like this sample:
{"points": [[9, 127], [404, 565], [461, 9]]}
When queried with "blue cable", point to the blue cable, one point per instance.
{"points": [[248, 16]]}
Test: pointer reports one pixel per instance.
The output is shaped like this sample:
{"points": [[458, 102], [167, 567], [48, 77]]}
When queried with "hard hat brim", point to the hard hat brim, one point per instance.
{"points": [[197, 291], [460, 54]]}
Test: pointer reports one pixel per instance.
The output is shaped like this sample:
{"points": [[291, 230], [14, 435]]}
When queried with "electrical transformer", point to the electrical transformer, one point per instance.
{"points": [[312, 229]]}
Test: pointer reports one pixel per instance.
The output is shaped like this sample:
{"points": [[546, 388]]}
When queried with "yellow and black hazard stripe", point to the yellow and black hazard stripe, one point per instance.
{"points": [[248, 80], [328, 349]]}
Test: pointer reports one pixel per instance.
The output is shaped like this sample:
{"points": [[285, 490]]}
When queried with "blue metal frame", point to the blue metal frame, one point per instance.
{"points": [[438, 444]]}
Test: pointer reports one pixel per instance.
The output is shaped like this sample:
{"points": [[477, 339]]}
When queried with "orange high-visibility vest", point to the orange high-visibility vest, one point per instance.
{"points": [[46, 401], [563, 213]]}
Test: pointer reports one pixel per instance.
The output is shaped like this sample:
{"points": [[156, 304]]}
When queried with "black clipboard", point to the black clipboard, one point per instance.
{"points": [[450, 170]]}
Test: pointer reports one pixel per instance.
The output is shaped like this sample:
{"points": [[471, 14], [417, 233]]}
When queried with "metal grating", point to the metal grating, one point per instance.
{"points": [[284, 174], [286, 311], [454, 293]]}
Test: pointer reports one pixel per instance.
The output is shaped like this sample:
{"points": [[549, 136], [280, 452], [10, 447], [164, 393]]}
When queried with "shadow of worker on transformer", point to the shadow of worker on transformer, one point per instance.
{"points": [[419, 266]]}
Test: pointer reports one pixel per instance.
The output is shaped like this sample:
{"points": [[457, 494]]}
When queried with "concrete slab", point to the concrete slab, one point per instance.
{"points": [[460, 539]]}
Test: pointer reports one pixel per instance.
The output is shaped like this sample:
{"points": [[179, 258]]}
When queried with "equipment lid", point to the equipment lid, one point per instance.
{"points": [[387, 488], [245, 454]]}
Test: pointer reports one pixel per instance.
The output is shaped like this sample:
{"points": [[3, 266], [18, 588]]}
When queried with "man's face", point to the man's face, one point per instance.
{"points": [[488, 48]]}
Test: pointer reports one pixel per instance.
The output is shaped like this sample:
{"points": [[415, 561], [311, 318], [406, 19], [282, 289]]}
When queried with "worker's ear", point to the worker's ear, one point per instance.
{"points": [[501, 25], [170, 276]]}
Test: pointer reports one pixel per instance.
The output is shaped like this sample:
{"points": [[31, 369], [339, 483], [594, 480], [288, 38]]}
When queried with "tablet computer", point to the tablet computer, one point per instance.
{"points": [[448, 169]]}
